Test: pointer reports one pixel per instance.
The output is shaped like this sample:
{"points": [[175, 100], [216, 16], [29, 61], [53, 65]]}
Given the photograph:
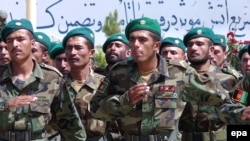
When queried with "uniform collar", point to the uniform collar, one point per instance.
{"points": [[37, 72]]}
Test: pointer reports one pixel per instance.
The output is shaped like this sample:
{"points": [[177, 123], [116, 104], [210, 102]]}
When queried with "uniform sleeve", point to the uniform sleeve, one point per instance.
{"points": [[107, 105], [66, 117], [211, 91]]}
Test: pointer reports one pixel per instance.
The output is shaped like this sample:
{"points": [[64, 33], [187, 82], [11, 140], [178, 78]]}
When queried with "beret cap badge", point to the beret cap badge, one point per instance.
{"points": [[18, 23], [177, 41], [199, 31], [142, 22], [221, 40], [40, 36]]}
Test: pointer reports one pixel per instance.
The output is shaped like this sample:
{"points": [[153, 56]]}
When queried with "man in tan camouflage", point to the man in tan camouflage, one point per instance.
{"points": [[31, 95], [173, 48], [145, 94], [194, 122], [82, 81]]}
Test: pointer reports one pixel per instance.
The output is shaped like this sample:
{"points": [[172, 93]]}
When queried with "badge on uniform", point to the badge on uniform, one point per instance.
{"points": [[240, 96], [102, 87], [167, 88]]}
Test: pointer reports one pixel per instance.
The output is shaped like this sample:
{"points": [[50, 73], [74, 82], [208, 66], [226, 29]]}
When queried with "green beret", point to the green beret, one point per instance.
{"points": [[56, 50], [15, 25], [243, 50], [115, 37], [83, 32], [198, 32], [42, 38], [144, 23], [177, 42], [220, 40]]}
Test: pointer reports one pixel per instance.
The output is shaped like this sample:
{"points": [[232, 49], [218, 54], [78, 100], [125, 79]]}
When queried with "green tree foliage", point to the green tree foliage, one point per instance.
{"points": [[99, 58], [111, 24]]}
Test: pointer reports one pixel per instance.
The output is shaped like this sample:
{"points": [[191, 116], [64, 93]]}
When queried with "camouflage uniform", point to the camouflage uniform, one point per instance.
{"points": [[95, 129], [155, 117], [232, 71], [243, 86], [206, 116], [53, 104]]}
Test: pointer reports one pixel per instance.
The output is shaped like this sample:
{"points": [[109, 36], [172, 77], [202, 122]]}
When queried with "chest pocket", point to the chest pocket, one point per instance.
{"points": [[165, 106], [40, 113], [41, 105]]}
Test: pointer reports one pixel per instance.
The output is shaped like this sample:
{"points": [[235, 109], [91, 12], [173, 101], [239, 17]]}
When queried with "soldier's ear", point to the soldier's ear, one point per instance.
{"points": [[211, 48], [157, 45]]}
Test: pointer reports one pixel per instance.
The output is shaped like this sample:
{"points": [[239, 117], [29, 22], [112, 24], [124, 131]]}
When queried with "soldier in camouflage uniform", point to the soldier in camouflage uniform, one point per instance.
{"points": [[116, 48], [57, 53], [145, 94], [82, 81], [219, 56], [32, 95], [242, 89], [201, 120], [173, 48], [4, 54]]}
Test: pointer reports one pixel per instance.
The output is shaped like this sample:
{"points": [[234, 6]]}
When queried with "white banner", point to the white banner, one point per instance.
{"points": [[176, 17]]}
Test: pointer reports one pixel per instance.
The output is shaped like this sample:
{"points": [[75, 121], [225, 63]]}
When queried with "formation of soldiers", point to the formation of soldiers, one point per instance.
{"points": [[152, 89]]}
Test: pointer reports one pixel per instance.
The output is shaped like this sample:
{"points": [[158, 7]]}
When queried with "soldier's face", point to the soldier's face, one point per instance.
{"points": [[4, 54], [245, 62], [116, 51], [219, 56], [19, 44], [78, 53], [198, 51], [61, 63], [172, 52], [143, 47], [37, 52]]}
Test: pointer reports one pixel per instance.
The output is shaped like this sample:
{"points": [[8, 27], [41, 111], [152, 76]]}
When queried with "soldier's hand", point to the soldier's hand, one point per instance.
{"points": [[138, 92], [246, 113], [20, 101]]}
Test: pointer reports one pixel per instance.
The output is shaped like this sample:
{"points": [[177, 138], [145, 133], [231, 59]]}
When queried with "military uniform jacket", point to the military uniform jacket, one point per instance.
{"points": [[93, 127], [212, 111], [159, 112], [54, 103]]}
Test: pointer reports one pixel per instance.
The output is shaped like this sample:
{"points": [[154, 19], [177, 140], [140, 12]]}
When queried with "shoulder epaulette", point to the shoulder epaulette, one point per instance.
{"points": [[231, 71], [180, 63], [48, 67]]}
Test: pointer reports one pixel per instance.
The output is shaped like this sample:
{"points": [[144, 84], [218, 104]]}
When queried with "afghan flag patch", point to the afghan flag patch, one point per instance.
{"points": [[102, 87], [240, 96]]}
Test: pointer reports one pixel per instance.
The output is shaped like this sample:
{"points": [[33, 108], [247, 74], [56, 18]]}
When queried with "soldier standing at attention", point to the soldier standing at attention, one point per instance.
{"points": [[219, 56], [31, 95], [145, 93], [57, 53], [194, 122], [40, 50], [173, 48], [4, 54], [116, 48], [82, 81], [242, 91]]}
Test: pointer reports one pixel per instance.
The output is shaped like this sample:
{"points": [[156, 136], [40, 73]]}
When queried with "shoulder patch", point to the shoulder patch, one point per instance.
{"points": [[102, 87], [48, 67]]}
